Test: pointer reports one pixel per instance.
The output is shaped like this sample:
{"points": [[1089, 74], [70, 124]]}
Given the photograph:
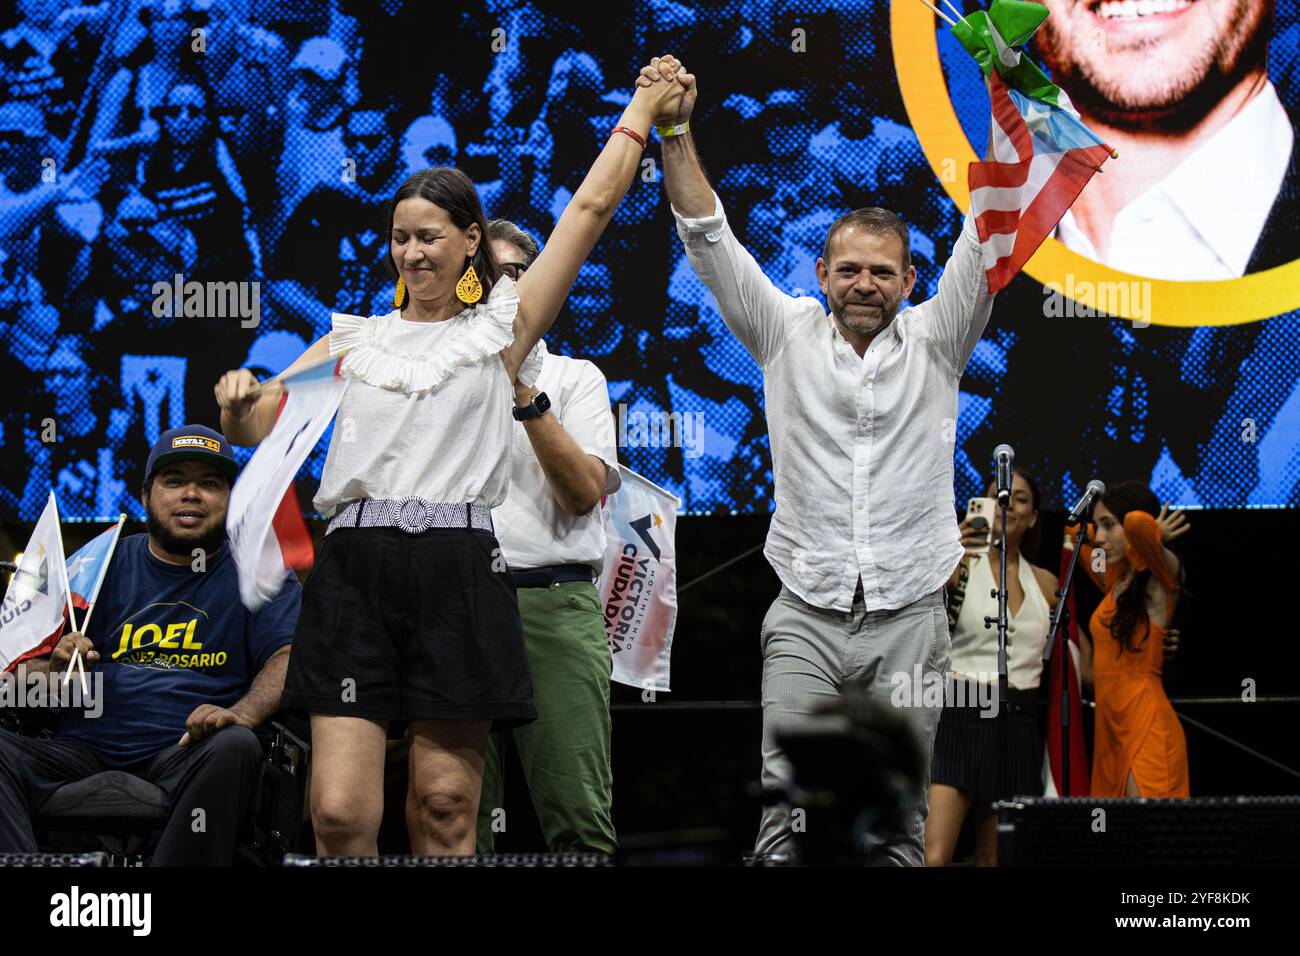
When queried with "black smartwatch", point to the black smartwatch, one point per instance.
{"points": [[538, 406]]}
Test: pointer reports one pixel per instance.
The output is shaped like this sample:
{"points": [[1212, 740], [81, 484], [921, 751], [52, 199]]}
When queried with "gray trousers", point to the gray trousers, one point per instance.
{"points": [[810, 655]]}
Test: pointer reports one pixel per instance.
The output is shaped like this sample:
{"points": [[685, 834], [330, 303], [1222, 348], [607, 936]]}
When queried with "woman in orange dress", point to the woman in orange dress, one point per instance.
{"points": [[1139, 747]]}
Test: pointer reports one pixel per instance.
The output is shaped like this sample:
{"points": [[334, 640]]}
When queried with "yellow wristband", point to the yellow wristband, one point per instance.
{"points": [[674, 130]]}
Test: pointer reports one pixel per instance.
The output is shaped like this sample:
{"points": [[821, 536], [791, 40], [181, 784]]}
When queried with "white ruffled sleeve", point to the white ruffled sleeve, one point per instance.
{"points": [[349, 331], [479, 333]]}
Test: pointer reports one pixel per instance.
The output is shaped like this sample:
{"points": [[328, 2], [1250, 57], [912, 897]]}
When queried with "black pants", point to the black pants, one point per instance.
{"points": [[215, 775]]}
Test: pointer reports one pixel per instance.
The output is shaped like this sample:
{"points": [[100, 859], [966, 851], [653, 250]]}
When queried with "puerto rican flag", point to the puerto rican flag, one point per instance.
{"points": [[1043, 154], [1043, 159], [268, 536], [86, 568]]}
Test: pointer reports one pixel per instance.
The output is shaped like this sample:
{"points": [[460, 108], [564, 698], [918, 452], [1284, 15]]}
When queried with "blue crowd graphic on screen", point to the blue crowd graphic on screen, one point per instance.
{"points": [[192, 187]]}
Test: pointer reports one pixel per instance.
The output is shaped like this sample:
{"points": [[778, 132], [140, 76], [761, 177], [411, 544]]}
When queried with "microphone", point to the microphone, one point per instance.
{"points": [[1094, 489], [1004, 456]]}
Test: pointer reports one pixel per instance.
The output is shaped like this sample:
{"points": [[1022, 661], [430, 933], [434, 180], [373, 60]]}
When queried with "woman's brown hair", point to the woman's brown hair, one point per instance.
{"points": [[452, 191], [1131, 603]]}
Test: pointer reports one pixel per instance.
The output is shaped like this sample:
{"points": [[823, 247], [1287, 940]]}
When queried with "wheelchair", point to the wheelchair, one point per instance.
{"points": [[123, 816]]}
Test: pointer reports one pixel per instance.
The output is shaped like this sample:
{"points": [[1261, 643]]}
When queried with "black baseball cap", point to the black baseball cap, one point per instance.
{"points": [[192, 443]]}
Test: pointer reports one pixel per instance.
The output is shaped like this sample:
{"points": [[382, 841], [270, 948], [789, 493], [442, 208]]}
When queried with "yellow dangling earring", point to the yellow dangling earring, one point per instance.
{"points": [[399, 293], [469, 290]]}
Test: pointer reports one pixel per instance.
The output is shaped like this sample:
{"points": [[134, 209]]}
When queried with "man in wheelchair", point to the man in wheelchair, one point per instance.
{"points": [[183, 671]]}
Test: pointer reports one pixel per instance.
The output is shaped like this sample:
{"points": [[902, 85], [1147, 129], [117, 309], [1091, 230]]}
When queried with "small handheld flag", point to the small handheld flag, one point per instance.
{"points": [[638, 588], [32, 614], [268, 537], [86, 571], [1043, 154], [86, 568]]}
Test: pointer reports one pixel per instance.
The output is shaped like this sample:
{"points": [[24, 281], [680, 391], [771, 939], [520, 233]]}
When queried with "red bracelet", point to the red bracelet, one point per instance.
{"points": [[630, 132]]}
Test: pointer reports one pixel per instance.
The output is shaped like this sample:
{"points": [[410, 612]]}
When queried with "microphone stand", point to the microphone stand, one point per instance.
{"points": [[1062, 594], [1000, 592]]}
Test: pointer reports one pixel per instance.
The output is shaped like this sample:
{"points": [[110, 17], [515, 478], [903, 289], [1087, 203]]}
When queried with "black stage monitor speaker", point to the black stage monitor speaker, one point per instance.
{"points": [[486, 859], [1133, 831], [53, 859]]}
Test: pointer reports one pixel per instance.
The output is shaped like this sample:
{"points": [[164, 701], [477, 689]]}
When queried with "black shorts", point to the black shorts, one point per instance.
{"points": [[398, 626]]}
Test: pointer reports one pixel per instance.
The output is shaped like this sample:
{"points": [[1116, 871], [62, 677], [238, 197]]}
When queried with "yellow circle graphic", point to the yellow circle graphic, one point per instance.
{"points": [[1260, 295]]}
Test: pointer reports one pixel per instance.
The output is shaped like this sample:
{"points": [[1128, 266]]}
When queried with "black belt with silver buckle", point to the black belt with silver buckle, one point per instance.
{"points": [[553, 576]]}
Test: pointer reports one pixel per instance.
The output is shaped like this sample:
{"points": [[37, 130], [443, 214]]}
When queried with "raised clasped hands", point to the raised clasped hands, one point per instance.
{"points": [[667, 89]]}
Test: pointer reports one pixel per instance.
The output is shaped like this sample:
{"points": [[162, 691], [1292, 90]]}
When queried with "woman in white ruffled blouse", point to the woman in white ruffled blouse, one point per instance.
{"points": [[409, 614]]}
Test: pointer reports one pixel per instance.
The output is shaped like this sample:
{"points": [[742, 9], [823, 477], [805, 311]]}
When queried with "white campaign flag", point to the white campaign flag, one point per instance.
{"points": [[37, 597], [268, 537], [639, 585]]}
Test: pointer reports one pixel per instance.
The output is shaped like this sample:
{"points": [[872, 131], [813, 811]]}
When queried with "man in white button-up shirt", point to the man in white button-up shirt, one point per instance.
{"points": [[861, 409], [553, 539]]}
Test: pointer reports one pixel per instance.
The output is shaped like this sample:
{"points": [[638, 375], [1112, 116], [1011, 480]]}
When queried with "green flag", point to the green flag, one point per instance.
{"points": [[992, 37]]}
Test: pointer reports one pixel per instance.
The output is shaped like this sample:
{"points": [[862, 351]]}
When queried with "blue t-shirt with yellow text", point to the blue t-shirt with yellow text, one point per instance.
{"points": [[171, 638]]}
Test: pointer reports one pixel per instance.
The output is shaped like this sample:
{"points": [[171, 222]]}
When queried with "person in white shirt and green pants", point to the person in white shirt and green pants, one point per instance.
{"points": [[553, 539]]}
